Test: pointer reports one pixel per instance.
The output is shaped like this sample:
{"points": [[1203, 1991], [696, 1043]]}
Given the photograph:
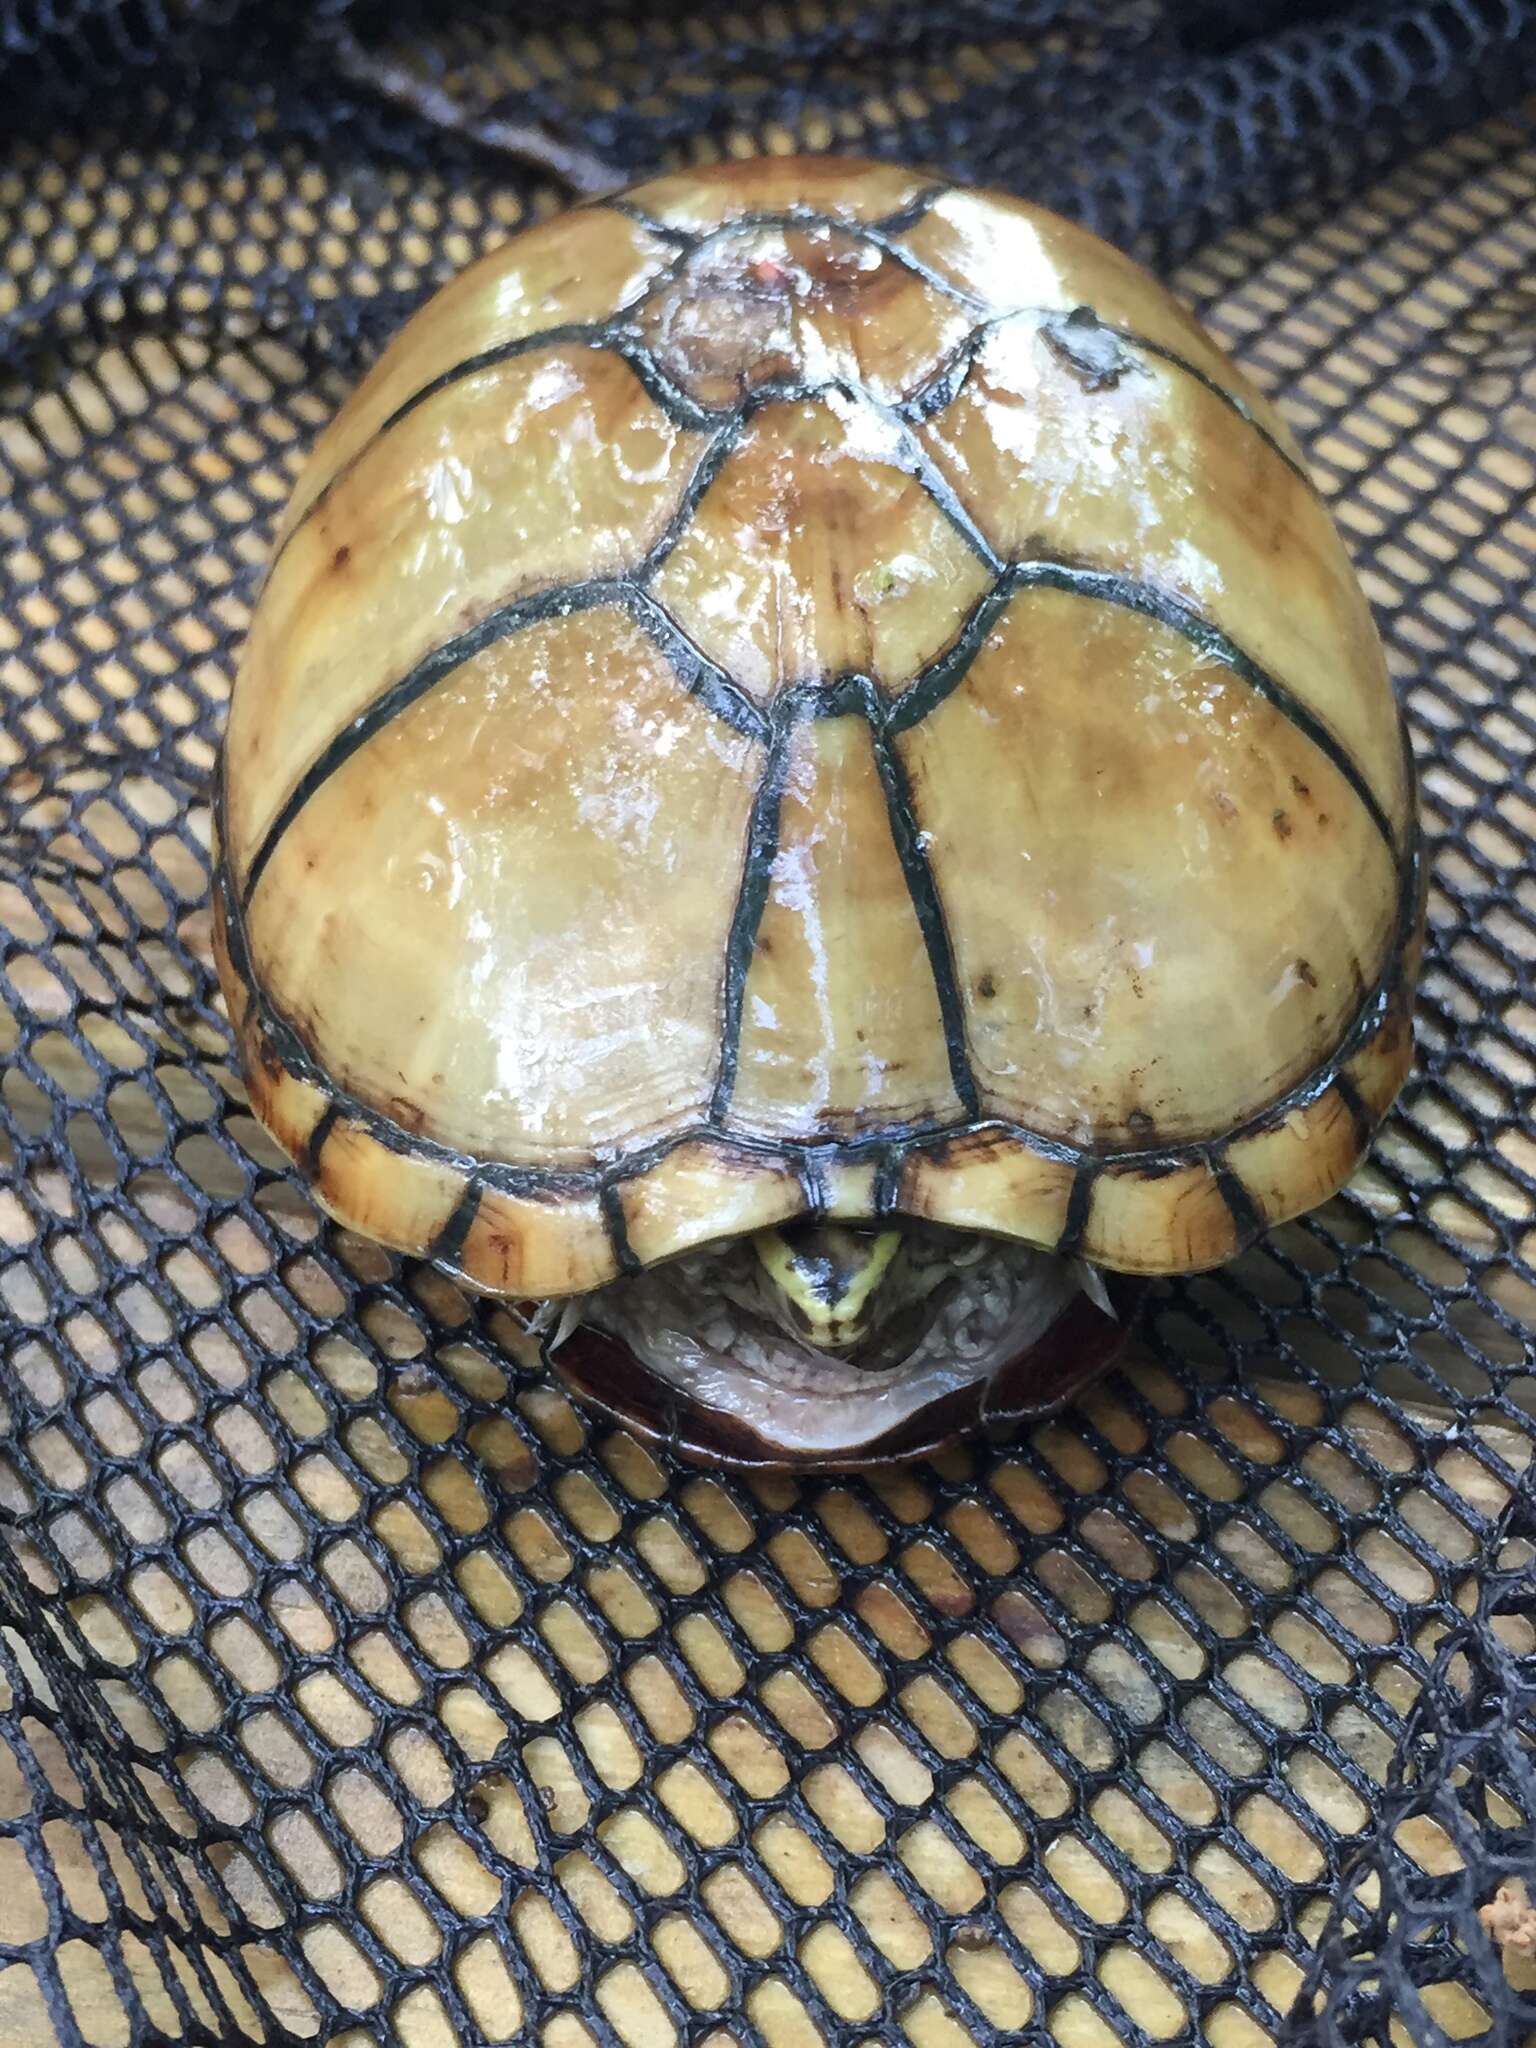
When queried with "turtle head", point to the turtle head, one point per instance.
{"points": [[813, 1340], [827, 1280]]}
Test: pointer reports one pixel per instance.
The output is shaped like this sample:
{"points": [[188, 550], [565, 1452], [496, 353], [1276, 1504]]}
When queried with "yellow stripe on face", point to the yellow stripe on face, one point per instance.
{"points": [[828, 1277]]}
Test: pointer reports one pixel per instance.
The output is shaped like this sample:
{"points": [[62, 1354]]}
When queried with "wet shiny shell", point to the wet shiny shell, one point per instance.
{"points": [[804, 688]]}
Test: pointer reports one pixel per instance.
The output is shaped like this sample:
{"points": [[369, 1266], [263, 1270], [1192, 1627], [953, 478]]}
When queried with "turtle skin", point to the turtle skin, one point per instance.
{"points": [[802, 689]]}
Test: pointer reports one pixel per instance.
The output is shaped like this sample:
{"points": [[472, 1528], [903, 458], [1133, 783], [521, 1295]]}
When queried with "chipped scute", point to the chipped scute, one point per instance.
{"points": [[813, 305], [1094, 353]]}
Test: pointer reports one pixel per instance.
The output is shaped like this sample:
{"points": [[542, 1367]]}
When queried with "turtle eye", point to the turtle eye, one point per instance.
{"points": [[827, 1278]]}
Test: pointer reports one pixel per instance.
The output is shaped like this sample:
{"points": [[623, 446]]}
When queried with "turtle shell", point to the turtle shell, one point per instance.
{"points": [[804, 689]]}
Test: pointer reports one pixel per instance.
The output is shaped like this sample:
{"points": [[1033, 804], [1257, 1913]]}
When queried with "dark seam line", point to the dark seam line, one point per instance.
{"points": [[693, 668], [683, 238], [751, 902], [813, 1185], [1240, 1205], [1076, 1219], [615, 333], [908, 216], [610, 1201], [1109, 587], [1219, 390], [931, 480], [314, 1144], [786, 218], [1359, 1116], [880, 238], [664, 392], [943, 385], [449, 1241], [895, 223], [925, 1136], [929, 911], [945, 674], [887, 1182], [806, 703], [712, 459], [699, 676]]}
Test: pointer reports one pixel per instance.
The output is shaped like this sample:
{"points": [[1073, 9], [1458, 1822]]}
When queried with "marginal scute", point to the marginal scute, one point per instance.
{"points": [[536, 1244], [849, 1188], [704, 1189], [816, 553], [403, 1200], [1295, 1162], [289, 1107], [1381, 1066], [985, 1180], [1151, 1219]]}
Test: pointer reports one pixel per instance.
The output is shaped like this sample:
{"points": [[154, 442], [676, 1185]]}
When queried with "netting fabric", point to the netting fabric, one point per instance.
{"points": [[354, 1688]]}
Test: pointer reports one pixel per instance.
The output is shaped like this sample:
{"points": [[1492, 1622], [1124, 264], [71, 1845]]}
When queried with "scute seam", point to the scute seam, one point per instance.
{"points": [[618, 335], [887, 718], [706, 680], [747, 917], [889, 1148]]}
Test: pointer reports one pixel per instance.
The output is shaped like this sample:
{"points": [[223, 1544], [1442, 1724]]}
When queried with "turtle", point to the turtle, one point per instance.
{"points": [[812, 799]]}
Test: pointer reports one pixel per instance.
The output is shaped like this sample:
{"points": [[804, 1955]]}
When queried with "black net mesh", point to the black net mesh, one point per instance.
{"points": [[353, 1688]]}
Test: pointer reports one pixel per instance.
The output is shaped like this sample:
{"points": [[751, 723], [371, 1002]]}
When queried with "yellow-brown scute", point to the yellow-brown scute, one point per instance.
{"points": [[1155, 478], [583, 267], [561, 786], [542, 471], [841, 1026], [816, 552], [745, 723], [1121, 887]]}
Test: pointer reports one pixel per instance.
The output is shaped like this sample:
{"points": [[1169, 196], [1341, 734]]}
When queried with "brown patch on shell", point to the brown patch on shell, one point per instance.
{"points": [[1094, 353], [762, 305]]}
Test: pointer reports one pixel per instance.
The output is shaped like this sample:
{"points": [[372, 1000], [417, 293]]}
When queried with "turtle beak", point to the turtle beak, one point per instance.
{"points": [[827, 1279]]}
